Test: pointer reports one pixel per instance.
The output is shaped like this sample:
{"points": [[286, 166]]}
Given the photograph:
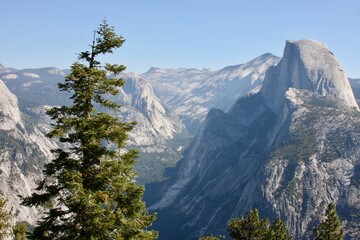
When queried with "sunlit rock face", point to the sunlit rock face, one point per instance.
{"points": [[307, 64], [23, 150], [288, 150], [9, 110]]}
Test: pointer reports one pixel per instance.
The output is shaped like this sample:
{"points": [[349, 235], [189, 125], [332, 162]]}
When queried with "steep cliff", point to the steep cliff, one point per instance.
{"points": [[288, 150], [23, 150]]}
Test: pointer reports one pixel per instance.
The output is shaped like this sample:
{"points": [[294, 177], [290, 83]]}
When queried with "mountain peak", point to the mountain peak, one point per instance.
{"points": [[261, 63], [152, 70], [266, 56], [307, 64], [307, 42], [2, 68]]}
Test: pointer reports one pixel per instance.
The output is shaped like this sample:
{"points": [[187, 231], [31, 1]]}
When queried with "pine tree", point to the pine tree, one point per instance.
{"points": [[89, 190], [331, 228], [249, 228], [5, 218], [253, 227], [208, 238], [278, 231]]}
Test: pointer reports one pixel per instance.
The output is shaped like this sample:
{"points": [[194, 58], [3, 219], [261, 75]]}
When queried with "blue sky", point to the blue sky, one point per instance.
{"points": [[176, 33]]}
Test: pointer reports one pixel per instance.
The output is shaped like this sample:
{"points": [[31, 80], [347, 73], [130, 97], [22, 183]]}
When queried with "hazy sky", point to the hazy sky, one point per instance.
{"points": [[176, 33]]}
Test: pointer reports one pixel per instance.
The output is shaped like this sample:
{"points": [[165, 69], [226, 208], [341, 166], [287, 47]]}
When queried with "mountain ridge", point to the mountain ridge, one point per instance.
{"points": [[273, 150], [191, 93], [153, 135]]}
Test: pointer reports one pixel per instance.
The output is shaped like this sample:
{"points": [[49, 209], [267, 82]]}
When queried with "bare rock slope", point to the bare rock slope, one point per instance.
{"points": [[23, 150]]}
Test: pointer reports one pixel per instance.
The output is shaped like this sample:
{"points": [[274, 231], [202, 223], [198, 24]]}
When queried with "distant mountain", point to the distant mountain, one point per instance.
{"points": [[23, 151], [288, 150], [191, 93], [36, 87], [159, 134], [154, 134]]}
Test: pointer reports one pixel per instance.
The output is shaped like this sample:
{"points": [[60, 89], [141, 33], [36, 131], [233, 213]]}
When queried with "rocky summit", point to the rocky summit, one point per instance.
{"points": [[288, 150]]}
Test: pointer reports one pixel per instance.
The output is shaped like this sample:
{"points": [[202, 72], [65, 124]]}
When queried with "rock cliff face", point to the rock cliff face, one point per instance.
{"points": [[307, 64], [9, 111], [288, 150], [138, 95], [355, 86], [159, 134], [23, 150]]}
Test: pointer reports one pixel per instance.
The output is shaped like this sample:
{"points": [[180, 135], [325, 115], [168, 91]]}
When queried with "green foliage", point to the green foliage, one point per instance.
{"points": [[331, 228], [19, 231], [278, 231], [154, 166], [300, 144], [89, 190], [252, 227], [299, 147], [324, 102], [5, 218]]}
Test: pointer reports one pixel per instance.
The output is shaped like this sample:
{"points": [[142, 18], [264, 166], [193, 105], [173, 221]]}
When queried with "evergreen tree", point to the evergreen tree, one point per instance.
{"points": [[89, 190], [5, 218], [278, 231], [331, 228], [209, 238], [253, 227], [249, 228], [19, 231]]}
